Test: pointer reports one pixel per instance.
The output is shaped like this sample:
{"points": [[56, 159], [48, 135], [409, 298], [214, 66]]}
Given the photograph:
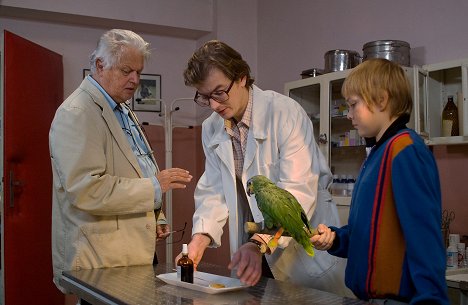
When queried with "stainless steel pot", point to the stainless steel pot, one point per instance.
{"points": [[394, 50], [339, 60]]}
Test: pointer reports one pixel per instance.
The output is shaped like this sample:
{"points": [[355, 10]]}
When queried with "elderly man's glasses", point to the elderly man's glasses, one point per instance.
{"points": [[219, 95], [177, 235]]}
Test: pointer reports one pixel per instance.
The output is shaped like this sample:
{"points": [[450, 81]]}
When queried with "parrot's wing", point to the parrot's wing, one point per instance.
{"points": [[283, 208]]}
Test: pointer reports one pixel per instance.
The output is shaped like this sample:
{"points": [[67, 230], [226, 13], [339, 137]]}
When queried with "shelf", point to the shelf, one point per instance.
{"points": [[340, 117], [354, 147], [447, 140], [342, 200]]}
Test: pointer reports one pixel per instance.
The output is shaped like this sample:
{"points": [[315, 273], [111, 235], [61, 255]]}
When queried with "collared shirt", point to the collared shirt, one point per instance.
{"points": [[142, 152], [238, 131]]}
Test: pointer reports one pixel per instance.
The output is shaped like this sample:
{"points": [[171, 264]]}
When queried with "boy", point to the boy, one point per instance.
{"points": [[393, 239]]}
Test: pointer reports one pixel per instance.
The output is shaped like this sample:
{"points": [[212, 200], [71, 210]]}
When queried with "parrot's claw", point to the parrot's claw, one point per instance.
{"points": [[273, 243]]}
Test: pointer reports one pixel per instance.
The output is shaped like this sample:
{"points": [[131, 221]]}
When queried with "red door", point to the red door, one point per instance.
{"points": [[33, 89]]}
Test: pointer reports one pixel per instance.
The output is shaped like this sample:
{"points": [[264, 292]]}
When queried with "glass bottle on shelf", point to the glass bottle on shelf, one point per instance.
{"points": [[450, 119]]}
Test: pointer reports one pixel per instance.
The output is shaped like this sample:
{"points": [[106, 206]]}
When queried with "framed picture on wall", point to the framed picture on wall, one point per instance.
{"points": [[148, 95], [86, 72]]}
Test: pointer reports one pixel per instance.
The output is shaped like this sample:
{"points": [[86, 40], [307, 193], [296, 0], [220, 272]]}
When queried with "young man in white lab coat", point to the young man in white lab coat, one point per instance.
{"points": [[255, 132]]}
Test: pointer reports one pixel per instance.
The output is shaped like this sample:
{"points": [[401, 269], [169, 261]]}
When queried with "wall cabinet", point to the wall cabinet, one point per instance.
{"points": [[344, 150]]}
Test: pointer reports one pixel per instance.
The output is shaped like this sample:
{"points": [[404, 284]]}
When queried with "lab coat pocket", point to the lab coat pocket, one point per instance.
{"points": [[317, 265], [326, 213]]}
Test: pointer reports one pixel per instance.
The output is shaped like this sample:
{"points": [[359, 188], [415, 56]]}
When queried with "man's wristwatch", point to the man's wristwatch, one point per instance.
{"points": [[261, 246]]}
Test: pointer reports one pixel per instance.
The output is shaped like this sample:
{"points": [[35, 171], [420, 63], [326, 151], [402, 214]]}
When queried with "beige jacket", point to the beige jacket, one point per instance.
{"points": [[102, 213]]}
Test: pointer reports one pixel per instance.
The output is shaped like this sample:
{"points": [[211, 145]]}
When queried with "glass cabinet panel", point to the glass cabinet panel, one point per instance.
{"points": [[309, 98], [347, 148]]}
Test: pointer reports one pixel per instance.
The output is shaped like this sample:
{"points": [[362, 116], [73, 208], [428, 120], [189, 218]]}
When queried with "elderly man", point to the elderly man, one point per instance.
{"points": [[107, 188]]}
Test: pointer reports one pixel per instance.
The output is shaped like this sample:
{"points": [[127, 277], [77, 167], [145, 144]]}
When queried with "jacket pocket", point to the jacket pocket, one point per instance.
{"points": [[317, 265], [117, 241], [100, 247]]}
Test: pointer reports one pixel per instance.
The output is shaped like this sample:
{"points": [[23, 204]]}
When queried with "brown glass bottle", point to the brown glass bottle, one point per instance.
{"points": [[450, 119], [186, 266]]}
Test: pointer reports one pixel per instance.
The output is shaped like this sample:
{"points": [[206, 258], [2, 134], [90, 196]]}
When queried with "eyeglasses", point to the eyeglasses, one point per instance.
{"points": [[127, 130], [219, 95], [179, 238]]}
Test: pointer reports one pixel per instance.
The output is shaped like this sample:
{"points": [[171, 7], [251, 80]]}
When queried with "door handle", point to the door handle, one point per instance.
{"points": [[13, 184]]}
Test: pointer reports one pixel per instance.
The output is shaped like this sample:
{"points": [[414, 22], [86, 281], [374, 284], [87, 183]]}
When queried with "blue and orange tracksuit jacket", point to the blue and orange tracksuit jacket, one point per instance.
{"points": [[393, 239]]}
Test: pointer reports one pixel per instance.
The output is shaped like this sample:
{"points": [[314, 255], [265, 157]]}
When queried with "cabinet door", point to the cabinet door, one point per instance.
{"points": [[339, 142], [417, 77], [347, 149], [307, 93], [444, 80]]}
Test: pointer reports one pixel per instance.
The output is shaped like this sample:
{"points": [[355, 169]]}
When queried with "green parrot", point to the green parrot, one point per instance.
{"points": [[281, 210]]}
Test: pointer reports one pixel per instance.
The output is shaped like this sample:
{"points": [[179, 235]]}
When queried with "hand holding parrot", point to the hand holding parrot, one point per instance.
{"points": [[280, 209]]}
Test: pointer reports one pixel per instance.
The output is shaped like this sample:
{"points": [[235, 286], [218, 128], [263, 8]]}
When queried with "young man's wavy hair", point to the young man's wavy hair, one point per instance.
{"points": [[216, 54]]}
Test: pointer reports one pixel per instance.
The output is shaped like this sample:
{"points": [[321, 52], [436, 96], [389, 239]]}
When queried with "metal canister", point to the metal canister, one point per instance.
{"points": [[339, 60], [394, 50]]}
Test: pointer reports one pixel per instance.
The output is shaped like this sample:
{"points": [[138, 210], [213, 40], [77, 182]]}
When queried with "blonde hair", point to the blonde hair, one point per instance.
{"points": [[375, 76]]}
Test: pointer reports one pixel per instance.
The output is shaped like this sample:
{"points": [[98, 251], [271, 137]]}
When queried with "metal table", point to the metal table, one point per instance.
{"points": [[139, 285], [457, 283]]}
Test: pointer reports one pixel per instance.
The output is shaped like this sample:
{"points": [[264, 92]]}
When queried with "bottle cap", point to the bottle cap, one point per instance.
{"points": [[454, 239], [184, 249], [461, 246]]}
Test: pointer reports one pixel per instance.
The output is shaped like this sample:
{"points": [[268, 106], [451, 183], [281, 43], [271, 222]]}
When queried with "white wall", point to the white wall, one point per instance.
{"points": [[76, 43], [174, 28], [294, 35], [188, 15], [235, 23], [65, 30], [278, 38]]}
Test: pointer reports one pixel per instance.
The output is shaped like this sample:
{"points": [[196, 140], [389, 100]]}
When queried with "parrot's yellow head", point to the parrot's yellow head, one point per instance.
{"points": [[256, 183]]}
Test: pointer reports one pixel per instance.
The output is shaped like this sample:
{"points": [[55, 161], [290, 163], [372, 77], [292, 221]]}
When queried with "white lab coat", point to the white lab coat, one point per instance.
{"points": [[280, 146]]}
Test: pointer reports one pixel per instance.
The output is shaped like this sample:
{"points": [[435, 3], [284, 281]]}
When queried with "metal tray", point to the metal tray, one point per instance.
{"points": [[202, 281]]}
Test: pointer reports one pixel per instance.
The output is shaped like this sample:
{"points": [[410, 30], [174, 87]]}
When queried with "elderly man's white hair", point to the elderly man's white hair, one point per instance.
{"points": [[113, 43]]}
